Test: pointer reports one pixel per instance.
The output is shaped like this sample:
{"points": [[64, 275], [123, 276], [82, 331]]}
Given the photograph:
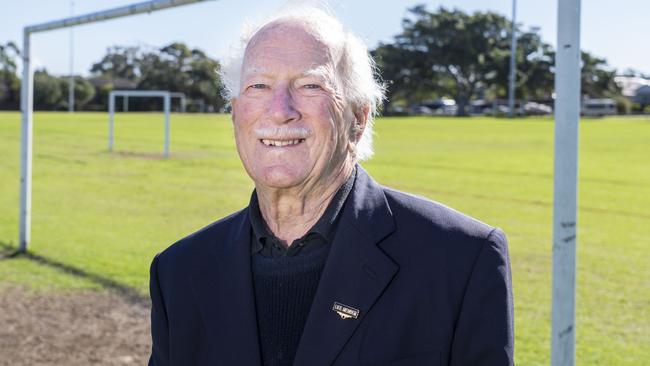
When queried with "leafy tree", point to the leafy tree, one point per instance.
{"points": [[174, 67], [177, 67], [450, 51], [597, 79], [165, 69], [407, 79], [205, 82], [9, 82], [51, 92], [535, 61], [119, 62], [47, 91], [83, 91]]}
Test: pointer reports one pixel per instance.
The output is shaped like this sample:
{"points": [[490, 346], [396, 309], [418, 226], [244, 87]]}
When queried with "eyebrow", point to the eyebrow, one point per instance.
{"points": [[320, 71]]}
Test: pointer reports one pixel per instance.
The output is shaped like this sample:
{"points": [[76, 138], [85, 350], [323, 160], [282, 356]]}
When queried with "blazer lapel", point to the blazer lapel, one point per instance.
{"points": [[223, 287], [354, 277]]}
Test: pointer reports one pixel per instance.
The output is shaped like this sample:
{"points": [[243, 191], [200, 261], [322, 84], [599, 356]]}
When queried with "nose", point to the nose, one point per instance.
{"points": [[281, 107]]}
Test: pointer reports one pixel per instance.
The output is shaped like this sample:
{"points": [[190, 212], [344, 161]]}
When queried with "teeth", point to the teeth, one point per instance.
{"points": [[268, 142]]}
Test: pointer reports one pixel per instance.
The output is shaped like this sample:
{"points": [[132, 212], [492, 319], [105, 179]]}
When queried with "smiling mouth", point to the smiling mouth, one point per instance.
{"points": [[281, 143]]}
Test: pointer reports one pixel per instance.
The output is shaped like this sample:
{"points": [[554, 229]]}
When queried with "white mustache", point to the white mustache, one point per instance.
{"points": [[282, 133]]}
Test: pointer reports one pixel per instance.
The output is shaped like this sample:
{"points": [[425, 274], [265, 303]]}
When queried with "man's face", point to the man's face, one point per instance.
{"points": [[291, 126]]}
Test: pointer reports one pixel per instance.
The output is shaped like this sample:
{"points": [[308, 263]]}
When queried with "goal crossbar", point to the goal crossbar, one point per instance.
{"points": [[27, 94], [179, 95], [166, 95]]}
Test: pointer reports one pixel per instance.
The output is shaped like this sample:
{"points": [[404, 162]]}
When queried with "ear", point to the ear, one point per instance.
{"points": [[233, 103], [361, 118]]}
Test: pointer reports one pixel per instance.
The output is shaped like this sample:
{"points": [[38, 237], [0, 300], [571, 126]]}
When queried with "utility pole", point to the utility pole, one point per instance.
{"points": [[513, 62], [71, 81]]}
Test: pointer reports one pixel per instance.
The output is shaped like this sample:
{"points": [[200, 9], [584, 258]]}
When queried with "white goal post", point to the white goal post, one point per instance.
{"points": [[167, 97], [179, 95], [565, 183], [27, 94]]}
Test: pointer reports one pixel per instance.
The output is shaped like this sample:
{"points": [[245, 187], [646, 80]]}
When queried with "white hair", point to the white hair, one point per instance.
{"points": [[355, 69]]}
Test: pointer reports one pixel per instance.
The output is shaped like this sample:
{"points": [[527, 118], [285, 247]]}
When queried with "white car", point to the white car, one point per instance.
{"points": [[598, 107]]}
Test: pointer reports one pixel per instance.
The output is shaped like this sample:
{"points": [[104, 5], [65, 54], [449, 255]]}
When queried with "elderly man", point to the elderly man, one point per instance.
{"points": [[325, 266]]}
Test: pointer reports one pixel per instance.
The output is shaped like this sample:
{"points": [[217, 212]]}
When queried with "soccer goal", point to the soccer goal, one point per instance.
{"points": [[27, 94], [182, 106], [126, 94]]}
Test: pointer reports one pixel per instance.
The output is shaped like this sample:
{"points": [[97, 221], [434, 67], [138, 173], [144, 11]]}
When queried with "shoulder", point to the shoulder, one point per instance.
{"points": [[202, 241], [426, 215], [433, 238]]}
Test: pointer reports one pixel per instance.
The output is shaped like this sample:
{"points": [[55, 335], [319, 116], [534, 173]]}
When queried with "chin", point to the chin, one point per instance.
{"points": [[280, 176]]}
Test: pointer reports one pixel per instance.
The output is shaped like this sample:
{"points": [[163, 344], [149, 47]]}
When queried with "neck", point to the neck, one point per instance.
{"points": [[290, 213]]}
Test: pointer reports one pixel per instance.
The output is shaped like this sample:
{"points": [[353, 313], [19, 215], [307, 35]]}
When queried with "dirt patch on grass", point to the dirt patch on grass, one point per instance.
{"points": [[72, 328]]}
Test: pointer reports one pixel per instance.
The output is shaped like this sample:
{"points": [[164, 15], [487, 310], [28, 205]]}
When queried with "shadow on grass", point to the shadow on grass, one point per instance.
{"points": [[128, 293], [485, 171]]}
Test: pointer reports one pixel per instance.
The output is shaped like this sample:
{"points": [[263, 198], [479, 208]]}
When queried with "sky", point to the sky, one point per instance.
{"points": [[614, 30]]}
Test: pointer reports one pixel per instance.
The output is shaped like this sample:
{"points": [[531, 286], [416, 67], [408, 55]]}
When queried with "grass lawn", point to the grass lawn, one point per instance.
{"points": [[98, 218]]}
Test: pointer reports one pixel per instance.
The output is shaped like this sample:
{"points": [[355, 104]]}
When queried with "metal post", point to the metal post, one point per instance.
{"points": [[126, 10], [167, 109], [111, 120], [71, 81], [567, 115], [26, 106], [26, 101], [513, 62], [125, 103], [182, 102]]}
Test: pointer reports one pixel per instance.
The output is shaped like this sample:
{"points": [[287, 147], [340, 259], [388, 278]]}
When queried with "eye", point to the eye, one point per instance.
{"points": [[311, 86], [258, 86]]}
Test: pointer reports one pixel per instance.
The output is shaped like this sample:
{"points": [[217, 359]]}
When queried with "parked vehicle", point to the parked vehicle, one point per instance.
{"points": [[537, 109], [443, 106], [500, 108], [598, 107]]}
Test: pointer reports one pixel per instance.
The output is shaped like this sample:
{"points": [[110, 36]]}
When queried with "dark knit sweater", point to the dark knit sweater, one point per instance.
{"points": [[284, 291], [286, 277]]}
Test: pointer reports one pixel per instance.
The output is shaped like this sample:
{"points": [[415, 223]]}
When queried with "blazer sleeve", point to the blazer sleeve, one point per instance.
{"points": [[159, 324], [484, 333]]}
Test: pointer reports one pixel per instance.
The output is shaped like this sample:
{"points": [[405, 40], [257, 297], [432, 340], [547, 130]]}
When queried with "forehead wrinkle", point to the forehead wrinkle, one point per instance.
{"points": [[320, 71], [288, 30], [310, 55], [256, 70]]}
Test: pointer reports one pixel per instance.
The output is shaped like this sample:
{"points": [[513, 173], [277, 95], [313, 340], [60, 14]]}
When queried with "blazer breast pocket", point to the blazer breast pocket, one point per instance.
{"points": [[422, 359]]}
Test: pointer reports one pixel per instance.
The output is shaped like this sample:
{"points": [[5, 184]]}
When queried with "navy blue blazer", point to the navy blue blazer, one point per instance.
{"points": [[431, 287]]}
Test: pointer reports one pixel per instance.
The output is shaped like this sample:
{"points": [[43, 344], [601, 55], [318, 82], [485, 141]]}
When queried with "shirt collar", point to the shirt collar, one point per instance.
{"points": [[324, 226]]}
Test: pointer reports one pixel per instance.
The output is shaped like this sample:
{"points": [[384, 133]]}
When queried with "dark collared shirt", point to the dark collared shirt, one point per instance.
{"points": [[321, 234]]}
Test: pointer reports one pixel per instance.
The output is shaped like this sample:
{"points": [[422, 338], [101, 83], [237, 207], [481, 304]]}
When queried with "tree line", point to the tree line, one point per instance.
{"points": [[450, 53], [174, 67], [441, 53]]}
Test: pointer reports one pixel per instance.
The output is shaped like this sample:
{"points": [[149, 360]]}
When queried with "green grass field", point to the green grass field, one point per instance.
{"points": [[99, 218]]}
